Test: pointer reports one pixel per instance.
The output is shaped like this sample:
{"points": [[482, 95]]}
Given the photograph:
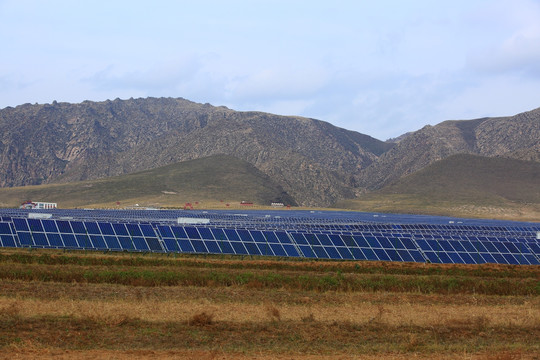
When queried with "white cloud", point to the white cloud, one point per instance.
{"points": [[502, 95], [278, 82], [381, 68], [161, 77], [514, 50]]}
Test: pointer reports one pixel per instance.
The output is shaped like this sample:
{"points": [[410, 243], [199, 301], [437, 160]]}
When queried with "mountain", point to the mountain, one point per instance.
{"points": [[513, 137], [210, 179], [462, 185], [473, 178], [313, 161]]}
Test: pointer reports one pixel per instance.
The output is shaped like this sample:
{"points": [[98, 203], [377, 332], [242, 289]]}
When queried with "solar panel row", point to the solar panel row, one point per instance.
{"points": [[288, 220], [386, 246]]}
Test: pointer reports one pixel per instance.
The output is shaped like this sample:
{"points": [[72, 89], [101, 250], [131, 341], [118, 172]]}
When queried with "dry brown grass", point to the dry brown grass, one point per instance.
{"points": [[273, 312], [354, 311], [51, 353], [81, 319], [201, 319]]}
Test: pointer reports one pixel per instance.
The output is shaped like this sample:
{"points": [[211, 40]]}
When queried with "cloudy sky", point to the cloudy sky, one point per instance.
{"points": [[378, 67]]}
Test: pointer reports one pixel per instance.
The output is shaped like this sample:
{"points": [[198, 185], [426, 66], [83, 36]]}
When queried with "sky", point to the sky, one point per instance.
{"points": [[381, 68]]}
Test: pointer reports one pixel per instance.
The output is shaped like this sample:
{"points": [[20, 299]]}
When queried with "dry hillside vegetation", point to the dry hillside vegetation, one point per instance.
{"points": [[91, 305], [217, 179], [462, 185]]}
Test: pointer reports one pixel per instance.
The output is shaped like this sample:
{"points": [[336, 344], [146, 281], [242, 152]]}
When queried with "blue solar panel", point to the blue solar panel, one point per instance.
{"points": [[99, 242], [219, 234], [49, 226], [344, 253], [225, 246], [171, 245], [139, 243], [257, 236], [134, 230], [40, 239], [205, 233], [212, 246], [126, 243], [25, 238], [21, 224], [283, 237], [252, 248], [369, 254], [165, 231], [299, 238], [185, 246], [192, 233], [8, 241], [265, 249], [232, 235], [357, 253], [336, 240], [55, 240], [5, 228], [239, 248], [154, 244], [112, 242], [92, 228], [321, 236], [278, 249], [78, 227], [199, 246], [120, 229], [84, 241], [147, 230], [291, 250], [69, 240], [35, 225], [106, 228], [271, 237]]}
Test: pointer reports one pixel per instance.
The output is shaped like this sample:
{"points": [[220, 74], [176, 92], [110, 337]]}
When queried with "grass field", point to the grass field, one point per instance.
{"points": [[94, 305]]}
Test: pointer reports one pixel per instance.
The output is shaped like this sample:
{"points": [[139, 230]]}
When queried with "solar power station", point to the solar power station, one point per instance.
{"points": [[286, 233]]}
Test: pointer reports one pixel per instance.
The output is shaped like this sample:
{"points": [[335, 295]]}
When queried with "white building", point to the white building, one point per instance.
{"points": [[37, 205]]}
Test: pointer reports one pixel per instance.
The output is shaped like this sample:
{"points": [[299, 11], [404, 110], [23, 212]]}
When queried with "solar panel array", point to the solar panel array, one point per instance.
{"points": [[304, 236]]}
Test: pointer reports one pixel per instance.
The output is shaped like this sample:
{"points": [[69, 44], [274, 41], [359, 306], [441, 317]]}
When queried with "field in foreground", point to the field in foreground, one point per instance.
{"points": [[92, 305]]}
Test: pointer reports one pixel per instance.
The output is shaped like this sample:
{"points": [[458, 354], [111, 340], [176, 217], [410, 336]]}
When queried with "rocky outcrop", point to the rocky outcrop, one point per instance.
{"points": [[515, 137], [313, 160]]}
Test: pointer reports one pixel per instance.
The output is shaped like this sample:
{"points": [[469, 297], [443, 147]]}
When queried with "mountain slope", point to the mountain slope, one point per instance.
{"points": [[516, 137], [473, 178], [462, 185], [214, 178], [312, 160]]}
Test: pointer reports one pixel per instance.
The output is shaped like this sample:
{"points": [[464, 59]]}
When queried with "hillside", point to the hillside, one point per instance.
{"points": [[211, 179], [312, 160], [515, 136], [473, 178], [463, 185]]}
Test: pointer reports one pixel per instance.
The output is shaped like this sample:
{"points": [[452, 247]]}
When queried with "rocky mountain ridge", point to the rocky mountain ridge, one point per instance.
{"points": [[515, 137], [313, 161]]}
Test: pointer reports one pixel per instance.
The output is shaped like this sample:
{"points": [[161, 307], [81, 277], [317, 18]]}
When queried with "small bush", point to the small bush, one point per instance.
{"points": [[273, 313], [10, 311], [309, 318], [201, 319]]}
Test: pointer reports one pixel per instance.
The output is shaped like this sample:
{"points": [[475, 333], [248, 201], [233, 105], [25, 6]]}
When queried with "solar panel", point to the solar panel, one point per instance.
{"points": [[319, 236]]}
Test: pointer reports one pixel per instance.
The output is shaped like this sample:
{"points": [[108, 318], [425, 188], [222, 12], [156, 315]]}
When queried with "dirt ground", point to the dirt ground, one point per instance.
{"points": [[215, 355]]}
